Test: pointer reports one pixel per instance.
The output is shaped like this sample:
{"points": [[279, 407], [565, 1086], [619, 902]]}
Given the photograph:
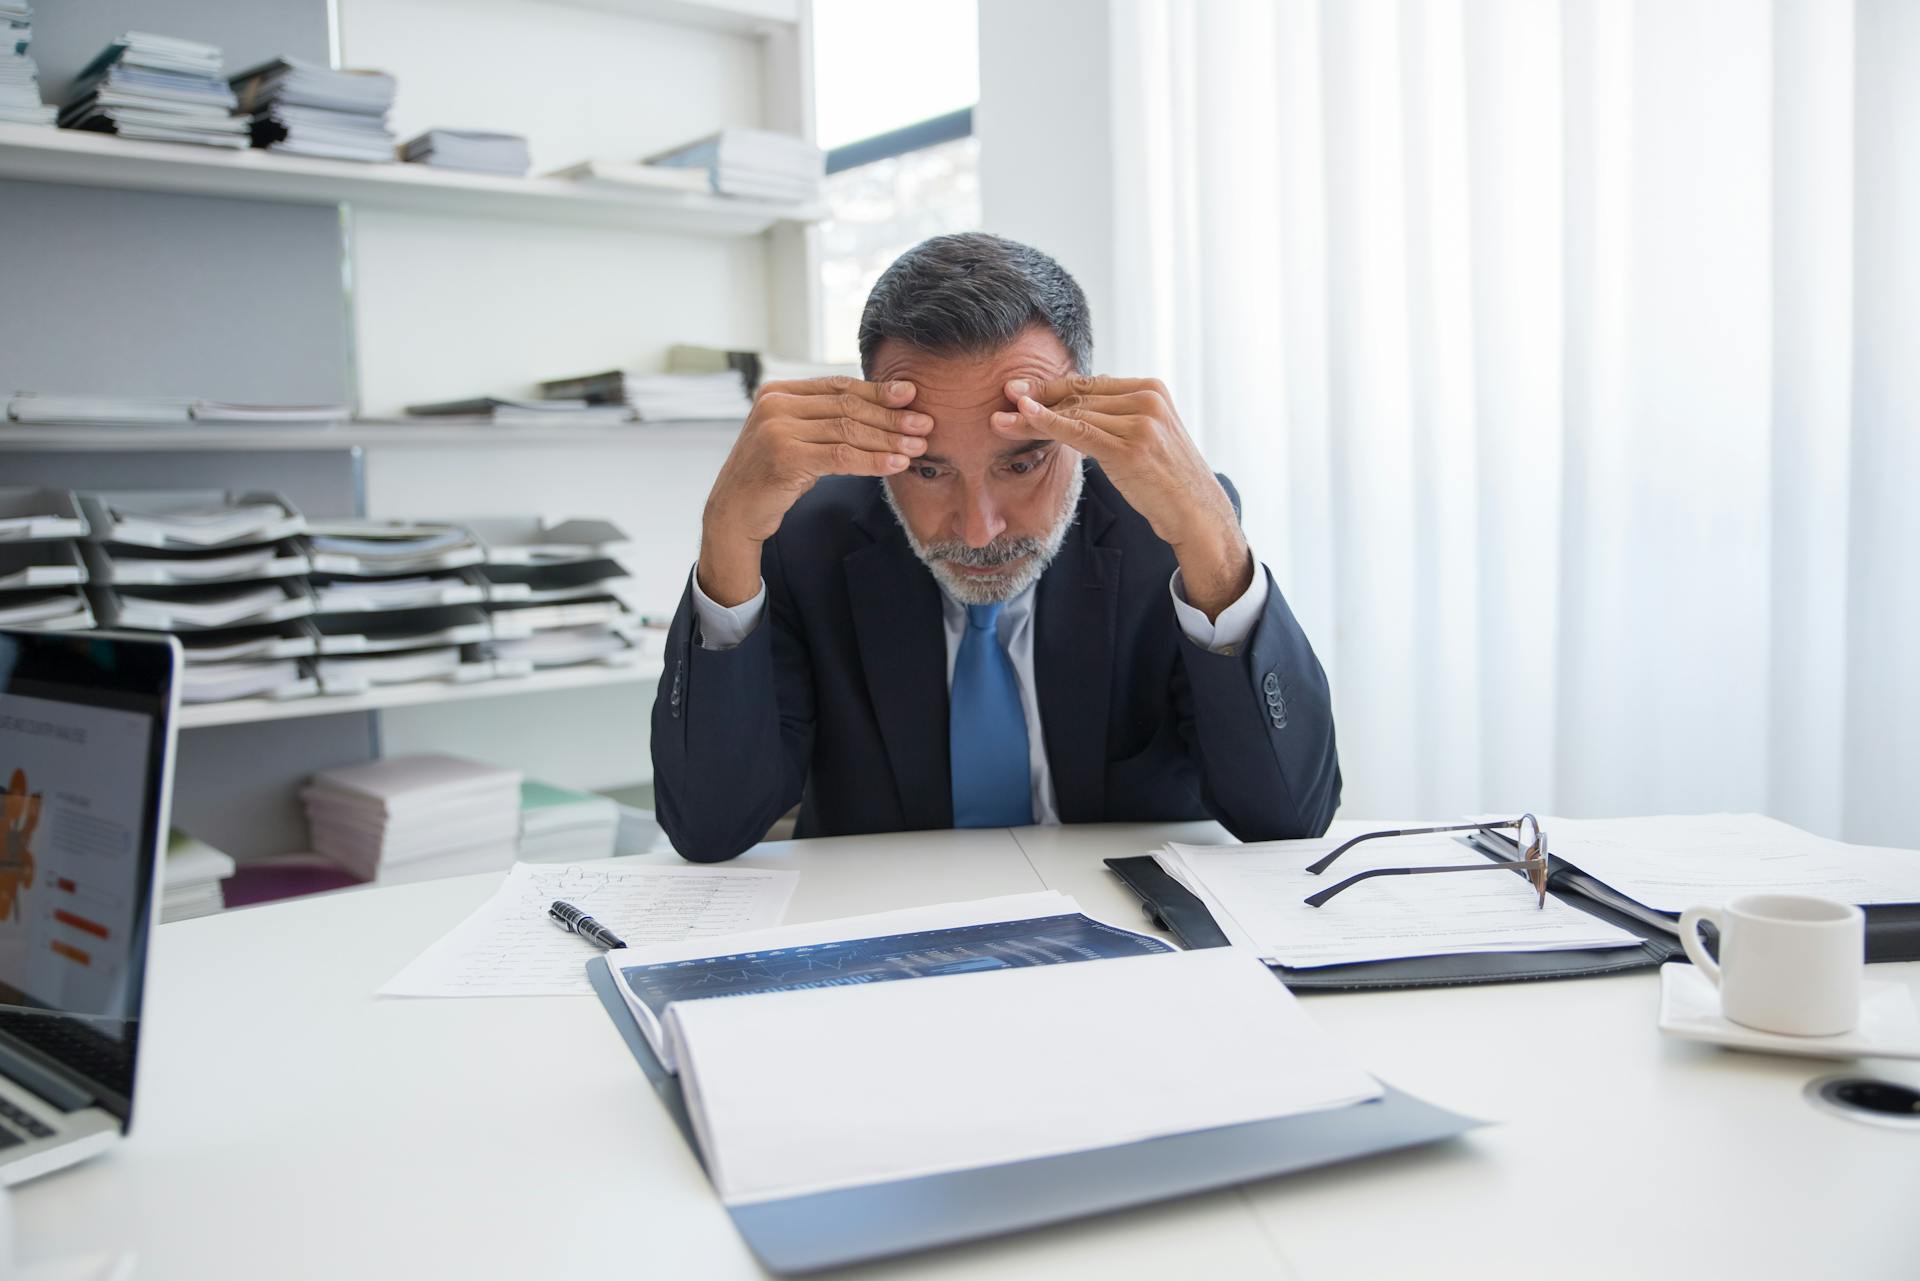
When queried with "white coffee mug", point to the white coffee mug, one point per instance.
{"points": [[1789, 963]]}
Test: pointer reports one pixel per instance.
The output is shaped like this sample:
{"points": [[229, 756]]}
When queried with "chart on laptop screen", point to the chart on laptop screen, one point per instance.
{"points": [[72, 784]]}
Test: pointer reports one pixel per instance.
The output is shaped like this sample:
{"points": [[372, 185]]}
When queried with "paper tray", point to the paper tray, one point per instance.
{"points": [[852, 1225]]}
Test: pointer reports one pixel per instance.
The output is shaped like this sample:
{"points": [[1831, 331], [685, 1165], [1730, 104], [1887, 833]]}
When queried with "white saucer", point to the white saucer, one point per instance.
{"points": [[1889, 1024]]}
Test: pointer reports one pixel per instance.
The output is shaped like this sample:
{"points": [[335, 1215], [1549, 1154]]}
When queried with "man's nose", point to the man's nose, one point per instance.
{"points": [[979, 521]]}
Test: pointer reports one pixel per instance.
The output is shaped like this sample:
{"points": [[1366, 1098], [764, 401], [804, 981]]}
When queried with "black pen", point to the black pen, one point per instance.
{"points": [[577, 922]]}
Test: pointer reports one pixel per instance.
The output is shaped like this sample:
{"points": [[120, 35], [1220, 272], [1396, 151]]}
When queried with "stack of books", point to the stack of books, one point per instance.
{"points": [[754, 163], [500, 410], [158, 89], [190, 883], [502, 153], [41, 568], [558, 825], [412, 818], [718, 396], [310, 110], [19, 79]]}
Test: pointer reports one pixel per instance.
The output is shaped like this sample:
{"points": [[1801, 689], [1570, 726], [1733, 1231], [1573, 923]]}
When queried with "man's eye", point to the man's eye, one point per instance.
{"points": [[1020, 467], [927, 473]]}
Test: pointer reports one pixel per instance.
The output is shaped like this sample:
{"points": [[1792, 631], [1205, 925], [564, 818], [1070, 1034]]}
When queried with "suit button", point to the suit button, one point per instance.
{"points": [[1271, 684]]}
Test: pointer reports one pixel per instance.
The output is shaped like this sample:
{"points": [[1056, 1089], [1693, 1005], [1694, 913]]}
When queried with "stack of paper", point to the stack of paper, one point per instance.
{"points": [[185, 609], [379, 548], [629, 176], [39, 407], [217, 682], [558, 825], [190, 881], [1046, 1032], [41, 567], [311, 110], [498, 410], [192, 523], [157, 88], [19, 79], [290, 639], [755, 163], [1256, 893], [358, 673], [385, 631], [220, 411], [415, 817], [718, 396], [502, 153], [130, 565], [569, 647]]}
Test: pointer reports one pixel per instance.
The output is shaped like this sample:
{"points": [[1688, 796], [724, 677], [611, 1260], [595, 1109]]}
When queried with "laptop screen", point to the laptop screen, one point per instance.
{"points": [[83, 746]]}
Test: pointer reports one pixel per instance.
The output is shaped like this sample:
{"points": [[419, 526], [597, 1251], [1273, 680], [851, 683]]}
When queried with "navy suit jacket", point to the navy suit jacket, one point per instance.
{"points": [[838, 698]]}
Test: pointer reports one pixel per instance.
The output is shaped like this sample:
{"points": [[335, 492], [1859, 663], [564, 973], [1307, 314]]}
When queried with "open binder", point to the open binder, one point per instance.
{"points": [[1893, 934], [850, 1225]]}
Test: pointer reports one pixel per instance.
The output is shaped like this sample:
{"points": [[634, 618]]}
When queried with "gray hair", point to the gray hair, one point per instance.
{"points": [[971, 294]]}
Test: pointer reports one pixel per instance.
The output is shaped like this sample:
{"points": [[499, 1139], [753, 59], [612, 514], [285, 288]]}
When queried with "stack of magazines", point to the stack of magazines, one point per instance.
{"points": [[502, 153], [312, 110], [19, 78], [158, 89], [754, 163]]}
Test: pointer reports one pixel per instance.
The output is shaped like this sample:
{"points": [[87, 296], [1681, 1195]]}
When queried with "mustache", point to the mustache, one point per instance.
{"points": [[995, 554]]}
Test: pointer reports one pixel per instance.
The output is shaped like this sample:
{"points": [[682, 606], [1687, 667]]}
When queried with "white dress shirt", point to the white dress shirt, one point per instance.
{"points": [[723, 627]]}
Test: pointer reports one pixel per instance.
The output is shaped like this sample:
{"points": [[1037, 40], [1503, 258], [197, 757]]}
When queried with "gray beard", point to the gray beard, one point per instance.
{"points": [[988, 589]]}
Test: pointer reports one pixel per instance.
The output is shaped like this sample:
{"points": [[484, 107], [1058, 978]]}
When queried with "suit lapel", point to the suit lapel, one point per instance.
{"points": [[1076, 614], [903, 655]]}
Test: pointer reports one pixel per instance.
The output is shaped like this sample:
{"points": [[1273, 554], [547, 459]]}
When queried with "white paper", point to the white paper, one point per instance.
{"points": [[799, 1092], [1256, 894], [511, 948], [1706, 860]]}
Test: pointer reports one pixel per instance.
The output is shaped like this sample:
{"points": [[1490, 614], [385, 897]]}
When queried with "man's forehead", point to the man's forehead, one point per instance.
{"points": [[970, 384]]}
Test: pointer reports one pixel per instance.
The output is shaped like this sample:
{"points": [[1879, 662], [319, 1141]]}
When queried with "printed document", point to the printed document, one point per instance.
{"points": [[1704, 860], [832, 1087], [510, 947], [1255, 892]]}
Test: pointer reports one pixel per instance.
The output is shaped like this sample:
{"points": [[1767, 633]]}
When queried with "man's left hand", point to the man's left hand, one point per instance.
{"points": [[1130, 427]]}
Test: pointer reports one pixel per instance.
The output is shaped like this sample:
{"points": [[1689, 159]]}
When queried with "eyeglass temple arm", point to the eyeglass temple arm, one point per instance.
{"points": [[1327, 862], [1320, 899]]}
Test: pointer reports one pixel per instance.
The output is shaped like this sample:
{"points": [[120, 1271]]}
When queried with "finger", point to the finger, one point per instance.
{"points": [[842, 459], [895, 392], [848, 405], [1053, 390], [1090, 433], [827, 431]]}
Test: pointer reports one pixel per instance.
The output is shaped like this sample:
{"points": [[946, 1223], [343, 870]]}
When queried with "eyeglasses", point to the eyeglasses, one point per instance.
{"points": [[1531, 864]]}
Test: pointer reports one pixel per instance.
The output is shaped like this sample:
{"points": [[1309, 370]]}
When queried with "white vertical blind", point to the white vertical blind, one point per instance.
{"points": [[1568, 357]]}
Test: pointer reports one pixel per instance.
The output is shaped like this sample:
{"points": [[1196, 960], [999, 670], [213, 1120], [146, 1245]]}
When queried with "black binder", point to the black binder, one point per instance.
{"points": [[1893, 934]]}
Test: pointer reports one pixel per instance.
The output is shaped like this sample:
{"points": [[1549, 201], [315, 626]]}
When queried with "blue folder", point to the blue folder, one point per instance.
{"points": [[852, 1225]]}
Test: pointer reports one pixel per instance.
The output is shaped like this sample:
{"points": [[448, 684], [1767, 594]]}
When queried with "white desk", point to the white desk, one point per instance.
{"points": [[291, 1125]]}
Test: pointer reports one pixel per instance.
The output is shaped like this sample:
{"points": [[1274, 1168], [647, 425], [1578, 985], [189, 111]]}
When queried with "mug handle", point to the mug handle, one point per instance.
{"points": [[1690, 939]]}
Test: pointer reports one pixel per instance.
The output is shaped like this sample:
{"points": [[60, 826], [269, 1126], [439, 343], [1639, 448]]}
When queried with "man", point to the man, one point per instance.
{"points": [[980, 587]]}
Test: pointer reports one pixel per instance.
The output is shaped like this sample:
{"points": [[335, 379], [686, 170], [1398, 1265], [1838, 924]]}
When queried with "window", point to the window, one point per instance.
{"points": [[898, 128]]}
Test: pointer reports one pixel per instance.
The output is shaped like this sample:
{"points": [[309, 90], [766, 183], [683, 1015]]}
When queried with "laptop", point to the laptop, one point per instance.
{"points": [[86, 771]]}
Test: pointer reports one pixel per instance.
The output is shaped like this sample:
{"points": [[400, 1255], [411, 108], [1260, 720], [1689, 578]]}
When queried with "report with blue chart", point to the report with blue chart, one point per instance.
{"points": [[996, 945]]}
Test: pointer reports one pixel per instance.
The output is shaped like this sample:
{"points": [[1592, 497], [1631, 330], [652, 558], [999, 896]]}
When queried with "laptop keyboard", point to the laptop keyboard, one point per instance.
{"points": [[78, 1046], [20, 1119]]}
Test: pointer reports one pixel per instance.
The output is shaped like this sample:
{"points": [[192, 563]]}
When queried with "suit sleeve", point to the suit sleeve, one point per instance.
{"points": [[732, 728], [1259, 724]]}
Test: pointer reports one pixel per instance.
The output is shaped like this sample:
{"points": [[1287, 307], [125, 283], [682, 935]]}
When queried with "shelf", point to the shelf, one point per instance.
{"points": [[246, 711], [744, 17], [37, 154], [371, 434]]}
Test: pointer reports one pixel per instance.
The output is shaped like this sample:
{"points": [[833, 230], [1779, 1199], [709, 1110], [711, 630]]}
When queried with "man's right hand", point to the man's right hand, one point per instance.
{"points": [[797, 433]]}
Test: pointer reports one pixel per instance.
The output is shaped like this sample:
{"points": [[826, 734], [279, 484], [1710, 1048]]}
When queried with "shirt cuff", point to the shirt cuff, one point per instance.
{"points": [[722, 626], [1226, 634]]}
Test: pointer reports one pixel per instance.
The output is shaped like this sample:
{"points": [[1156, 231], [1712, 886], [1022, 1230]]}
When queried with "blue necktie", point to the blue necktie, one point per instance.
{"points": [[987, 730]]}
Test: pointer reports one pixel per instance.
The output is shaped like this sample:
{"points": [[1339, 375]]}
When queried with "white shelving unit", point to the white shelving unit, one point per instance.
{"points": [[36, 154], [551, 433], [248, 711]]}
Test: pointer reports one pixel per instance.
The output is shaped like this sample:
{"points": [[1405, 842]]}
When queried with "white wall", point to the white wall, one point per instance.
{"points": [[1046, 147]]}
